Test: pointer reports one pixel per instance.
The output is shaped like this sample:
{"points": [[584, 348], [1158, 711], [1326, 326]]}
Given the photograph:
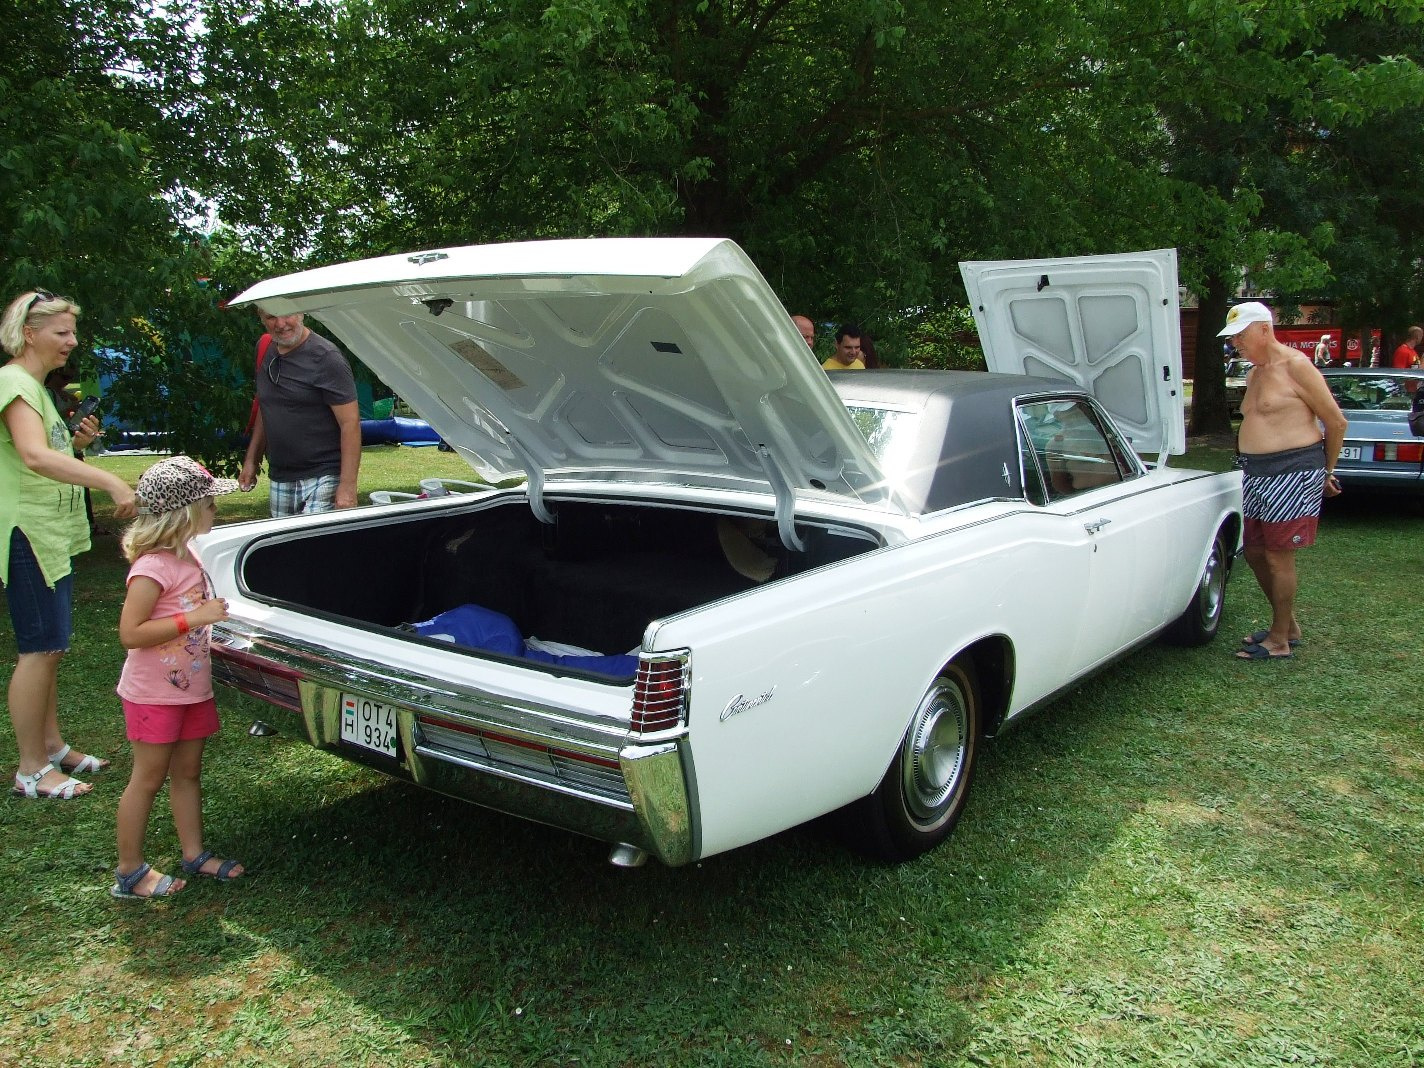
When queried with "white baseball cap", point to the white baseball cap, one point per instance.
{"points": [[1243, 315]]}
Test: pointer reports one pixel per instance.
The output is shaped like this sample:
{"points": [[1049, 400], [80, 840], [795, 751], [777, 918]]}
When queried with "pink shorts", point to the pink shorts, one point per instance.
{"points": [[165, 724]]}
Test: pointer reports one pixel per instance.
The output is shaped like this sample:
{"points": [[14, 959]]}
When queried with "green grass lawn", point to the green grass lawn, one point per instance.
{"points": [[1189, 861]]}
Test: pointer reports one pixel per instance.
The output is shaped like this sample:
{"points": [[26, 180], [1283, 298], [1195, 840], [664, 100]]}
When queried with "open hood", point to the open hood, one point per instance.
{"points": [[1111, 324], [658, 360]]}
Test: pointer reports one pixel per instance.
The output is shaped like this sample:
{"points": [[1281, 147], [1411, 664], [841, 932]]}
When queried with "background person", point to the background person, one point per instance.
{"points": [[308, 424], [1288, 468], [43, 525], [1322, 351], [806, 329], [847, 356], [867, 353], [1407, 355]]}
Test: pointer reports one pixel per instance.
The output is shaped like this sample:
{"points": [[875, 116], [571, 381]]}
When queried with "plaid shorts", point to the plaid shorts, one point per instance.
{"points": [[303, 496]]}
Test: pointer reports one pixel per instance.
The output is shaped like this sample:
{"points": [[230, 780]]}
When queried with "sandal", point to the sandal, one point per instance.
{"points": [[29, 786], [1258, 637], [89, 764], [223, 874], [124, 885], [1257, 651]]}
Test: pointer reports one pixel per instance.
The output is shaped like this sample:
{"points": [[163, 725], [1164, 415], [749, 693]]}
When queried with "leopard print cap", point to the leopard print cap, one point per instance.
{"points": [[176, 483]]}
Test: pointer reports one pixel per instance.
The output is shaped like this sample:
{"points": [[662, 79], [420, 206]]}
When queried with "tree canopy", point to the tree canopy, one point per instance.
{"points": [[857, 148]]}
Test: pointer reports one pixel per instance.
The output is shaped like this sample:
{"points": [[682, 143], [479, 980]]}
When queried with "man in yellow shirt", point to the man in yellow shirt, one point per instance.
{"points": [[847, 356]]}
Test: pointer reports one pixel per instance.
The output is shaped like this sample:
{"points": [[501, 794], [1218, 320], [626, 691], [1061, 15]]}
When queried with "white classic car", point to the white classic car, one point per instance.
{"points": [[720, 592]]}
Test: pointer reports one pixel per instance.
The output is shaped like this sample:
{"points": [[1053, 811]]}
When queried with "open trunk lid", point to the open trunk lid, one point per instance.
{"points": [[626, 359], [1111, 324]]}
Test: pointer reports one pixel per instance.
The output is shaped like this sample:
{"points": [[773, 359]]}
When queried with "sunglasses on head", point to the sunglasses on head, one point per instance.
{"points": [[40, 295]]}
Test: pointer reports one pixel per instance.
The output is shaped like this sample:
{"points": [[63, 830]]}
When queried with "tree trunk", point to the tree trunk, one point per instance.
{"points": [[1209, 411]]}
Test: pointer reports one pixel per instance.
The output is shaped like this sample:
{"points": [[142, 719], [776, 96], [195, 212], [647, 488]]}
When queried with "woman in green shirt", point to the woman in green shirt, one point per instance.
{"points": [[42, 525]]}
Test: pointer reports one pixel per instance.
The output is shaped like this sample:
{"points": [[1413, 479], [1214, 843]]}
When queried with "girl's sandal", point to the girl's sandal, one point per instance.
{"points": [[124, 886], [29, 786], [224, 874]]}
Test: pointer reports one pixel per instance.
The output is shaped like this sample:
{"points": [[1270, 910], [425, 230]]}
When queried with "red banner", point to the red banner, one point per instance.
{"points": [[1306, 338]]}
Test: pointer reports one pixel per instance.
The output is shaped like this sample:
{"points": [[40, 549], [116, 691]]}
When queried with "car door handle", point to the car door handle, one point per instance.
{"points": [[1096, 525]]}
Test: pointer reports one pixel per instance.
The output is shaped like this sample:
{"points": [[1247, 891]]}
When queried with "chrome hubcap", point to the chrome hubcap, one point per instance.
{"points": [[936, 748], [1213, 586]]}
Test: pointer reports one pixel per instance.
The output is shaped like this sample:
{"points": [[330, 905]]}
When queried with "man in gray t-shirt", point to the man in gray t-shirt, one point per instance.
{"points": [[308, 425]]}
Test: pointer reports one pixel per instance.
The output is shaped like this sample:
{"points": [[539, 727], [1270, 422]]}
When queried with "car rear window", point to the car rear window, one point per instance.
{"points": [[1372, 392]]}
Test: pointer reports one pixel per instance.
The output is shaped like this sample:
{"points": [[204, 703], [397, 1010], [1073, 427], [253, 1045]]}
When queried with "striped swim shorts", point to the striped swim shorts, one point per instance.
{"points": [[1281, 494]]}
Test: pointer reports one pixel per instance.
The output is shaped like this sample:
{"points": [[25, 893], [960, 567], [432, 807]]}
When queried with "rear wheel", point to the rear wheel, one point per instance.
{"points": [[925, 788], [1198, 624]]}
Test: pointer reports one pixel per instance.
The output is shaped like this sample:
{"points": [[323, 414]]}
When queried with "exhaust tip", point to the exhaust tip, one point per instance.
{"points": [[624, 855], [261, 730]]}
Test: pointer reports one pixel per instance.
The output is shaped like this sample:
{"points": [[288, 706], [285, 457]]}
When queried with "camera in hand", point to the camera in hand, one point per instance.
{"points": [[87, 407]]}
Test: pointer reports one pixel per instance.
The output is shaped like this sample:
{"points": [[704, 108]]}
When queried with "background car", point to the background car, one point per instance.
{"points": [[1380, 452], [1236, 369]]}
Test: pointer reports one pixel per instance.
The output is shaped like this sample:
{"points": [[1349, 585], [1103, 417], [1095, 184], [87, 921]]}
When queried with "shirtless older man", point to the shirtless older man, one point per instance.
{"points": [[1289, 467]]}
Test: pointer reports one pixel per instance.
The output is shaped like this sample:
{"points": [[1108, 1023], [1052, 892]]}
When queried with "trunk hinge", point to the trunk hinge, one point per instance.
{"points": [[534, 479], [785, 501]]}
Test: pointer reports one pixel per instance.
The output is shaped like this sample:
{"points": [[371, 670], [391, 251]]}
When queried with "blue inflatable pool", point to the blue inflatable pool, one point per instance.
{"points": [[397, 431]]}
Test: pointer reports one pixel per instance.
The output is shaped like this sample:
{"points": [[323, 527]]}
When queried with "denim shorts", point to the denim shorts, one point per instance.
{"points": [[41, 615]]}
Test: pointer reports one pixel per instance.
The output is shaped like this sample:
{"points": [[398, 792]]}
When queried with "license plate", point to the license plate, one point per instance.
{"points": [[1350, 452], [369, 724]]}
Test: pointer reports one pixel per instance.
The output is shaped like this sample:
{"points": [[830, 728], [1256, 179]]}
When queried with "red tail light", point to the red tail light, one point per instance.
{"points": [[660, 692], [1396, 452]]}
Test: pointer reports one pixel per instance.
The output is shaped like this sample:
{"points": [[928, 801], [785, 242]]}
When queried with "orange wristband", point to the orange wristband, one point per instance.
{"points": [[182, 622]]}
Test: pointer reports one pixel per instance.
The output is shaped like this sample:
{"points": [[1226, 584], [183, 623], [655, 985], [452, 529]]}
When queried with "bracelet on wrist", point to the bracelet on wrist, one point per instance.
{"points": [[182, 620]]}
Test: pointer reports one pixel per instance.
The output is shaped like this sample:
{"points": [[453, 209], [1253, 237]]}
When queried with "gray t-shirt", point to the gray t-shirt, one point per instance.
{"points": [[295, 391]]}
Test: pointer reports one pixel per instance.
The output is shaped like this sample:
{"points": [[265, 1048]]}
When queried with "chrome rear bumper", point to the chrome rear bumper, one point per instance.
{"points": [[542, 764]]}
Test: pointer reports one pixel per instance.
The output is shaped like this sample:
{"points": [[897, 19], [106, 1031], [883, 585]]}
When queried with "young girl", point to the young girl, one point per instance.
{"points": [[166, 685]]}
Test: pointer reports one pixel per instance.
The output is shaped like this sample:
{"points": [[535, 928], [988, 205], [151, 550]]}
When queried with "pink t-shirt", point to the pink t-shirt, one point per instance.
{"points": [[178, 672]]}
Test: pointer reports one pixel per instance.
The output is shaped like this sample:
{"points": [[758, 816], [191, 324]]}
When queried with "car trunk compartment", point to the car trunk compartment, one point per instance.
{"points": [[594, 578]]}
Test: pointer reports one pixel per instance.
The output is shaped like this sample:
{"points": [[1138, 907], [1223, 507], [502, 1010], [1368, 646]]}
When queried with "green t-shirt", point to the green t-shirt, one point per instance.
{"points": [[51, 514]]}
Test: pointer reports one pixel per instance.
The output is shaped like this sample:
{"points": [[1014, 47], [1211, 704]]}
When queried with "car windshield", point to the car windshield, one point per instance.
{"points": [[1365, 392], [1237, 368]]}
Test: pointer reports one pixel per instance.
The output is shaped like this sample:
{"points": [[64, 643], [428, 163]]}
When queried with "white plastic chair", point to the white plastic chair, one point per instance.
{"points": [[443, 487], [392, 496]]}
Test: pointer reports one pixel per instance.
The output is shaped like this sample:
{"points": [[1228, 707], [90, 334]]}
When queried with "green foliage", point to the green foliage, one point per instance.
{"points": [[945, 340], [91, 206], [857, 149]]}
